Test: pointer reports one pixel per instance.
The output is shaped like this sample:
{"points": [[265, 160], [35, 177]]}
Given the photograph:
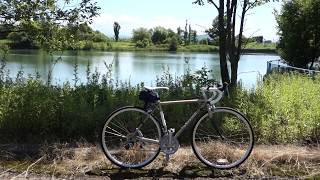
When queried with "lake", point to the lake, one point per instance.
{"points": [[135, 67]]}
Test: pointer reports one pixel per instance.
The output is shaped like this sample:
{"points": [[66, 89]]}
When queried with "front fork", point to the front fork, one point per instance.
{"points": [[210, 109]]}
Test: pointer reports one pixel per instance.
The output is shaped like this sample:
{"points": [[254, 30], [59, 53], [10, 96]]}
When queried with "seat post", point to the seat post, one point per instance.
{"points": [[163, 120]]}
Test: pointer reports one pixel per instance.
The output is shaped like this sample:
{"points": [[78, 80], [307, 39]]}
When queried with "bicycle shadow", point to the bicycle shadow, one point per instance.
{"points": [[185, 172]]}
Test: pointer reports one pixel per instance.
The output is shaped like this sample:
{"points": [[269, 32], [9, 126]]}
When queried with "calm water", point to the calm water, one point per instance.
{"points": [[135, 67]]}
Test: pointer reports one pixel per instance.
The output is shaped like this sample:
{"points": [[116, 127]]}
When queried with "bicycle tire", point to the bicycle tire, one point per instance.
{"points": [[126, 148], [219, 153]]}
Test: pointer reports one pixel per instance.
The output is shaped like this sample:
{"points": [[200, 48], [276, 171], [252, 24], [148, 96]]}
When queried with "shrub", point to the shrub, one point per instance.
{"points": [[159, 35], [283, 109], [141, 34], [173, 44], [142, 44]]}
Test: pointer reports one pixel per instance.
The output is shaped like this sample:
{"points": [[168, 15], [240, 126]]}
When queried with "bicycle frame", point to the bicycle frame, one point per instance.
{"points": [[188, 122], [206, 102]]}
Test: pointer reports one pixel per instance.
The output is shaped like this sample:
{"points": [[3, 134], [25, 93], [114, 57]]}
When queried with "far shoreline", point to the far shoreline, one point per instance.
{"points": [[211, 50], [128, 46]]}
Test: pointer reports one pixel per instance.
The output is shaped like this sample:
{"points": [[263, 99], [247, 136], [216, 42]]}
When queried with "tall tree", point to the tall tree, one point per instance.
{"points": [[179, 34], [189, 34], [299, 30], [185, 33], [116, 29], [229, 45], [194, 37]]}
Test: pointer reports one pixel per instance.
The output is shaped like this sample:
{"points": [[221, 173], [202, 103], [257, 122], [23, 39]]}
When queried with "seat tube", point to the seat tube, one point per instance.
{"points": [[163, 120]]}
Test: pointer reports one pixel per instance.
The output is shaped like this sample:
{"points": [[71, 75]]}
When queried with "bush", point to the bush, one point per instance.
{"points": [[142, 44], [141, 34], [159, 35], [283, 109], [99, 37], [173, 44], [21, 40], [88, 45]]}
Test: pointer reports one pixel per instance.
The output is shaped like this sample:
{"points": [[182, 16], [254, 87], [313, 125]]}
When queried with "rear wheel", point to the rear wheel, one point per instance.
{"points": [[130, 138], [224, 140]]}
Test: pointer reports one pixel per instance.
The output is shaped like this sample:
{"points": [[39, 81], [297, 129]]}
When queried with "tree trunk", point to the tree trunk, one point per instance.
{"points": [[234, 73], [222, 45], [235, 59]]}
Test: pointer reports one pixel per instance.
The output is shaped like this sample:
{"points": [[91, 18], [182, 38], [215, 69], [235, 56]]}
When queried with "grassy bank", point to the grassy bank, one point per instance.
{"points": [[130, 46], [283, 109]]}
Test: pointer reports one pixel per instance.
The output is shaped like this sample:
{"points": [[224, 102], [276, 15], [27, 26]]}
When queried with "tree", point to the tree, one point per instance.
{"points": [[159, 35], [142, 37], [299, 30], [194, 37], [21, 40], [179, 34], [116, 29], [173, 43], [213, 32], [189, 34], [43, 19], [229, 45], [185, 34]]}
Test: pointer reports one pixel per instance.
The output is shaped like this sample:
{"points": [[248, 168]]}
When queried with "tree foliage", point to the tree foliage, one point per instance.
{"points": [[299, 30], [42, 20], [82, 33], [159, 35], [173, 43], [142, 37]]}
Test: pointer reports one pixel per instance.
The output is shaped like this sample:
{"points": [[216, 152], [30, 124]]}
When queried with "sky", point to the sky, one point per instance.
{"points": [[132, 14]]}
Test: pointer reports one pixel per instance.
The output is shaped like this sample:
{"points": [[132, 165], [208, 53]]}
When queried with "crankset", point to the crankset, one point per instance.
{"points": [[169, 144]]}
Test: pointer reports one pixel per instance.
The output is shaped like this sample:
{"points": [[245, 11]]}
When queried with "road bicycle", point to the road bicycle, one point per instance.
{"points": [[222, 138]]}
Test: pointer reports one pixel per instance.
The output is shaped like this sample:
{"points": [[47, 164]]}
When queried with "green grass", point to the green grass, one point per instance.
{"points": [[254, 45], [4, 41], [198, 48], [283, 109]]}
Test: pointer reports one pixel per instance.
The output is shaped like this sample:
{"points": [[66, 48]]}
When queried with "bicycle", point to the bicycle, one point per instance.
{"points": [[221, 137]]}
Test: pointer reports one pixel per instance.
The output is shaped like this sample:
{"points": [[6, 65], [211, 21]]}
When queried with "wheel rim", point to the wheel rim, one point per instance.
{"points": [[223, 141], [123, 138]]}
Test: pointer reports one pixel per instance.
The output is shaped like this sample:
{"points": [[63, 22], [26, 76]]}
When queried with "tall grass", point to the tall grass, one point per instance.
{"points": [[284, 108]]}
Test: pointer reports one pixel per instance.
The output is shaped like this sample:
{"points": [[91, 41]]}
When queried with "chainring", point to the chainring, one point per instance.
{"points": [[169, 148]]}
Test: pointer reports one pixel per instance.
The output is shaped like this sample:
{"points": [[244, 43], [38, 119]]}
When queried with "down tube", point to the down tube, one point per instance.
{"points": [[187, 123]]}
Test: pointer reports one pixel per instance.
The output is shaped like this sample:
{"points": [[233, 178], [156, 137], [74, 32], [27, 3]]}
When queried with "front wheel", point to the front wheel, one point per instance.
{"points": [[224, 140], [130, 138]]}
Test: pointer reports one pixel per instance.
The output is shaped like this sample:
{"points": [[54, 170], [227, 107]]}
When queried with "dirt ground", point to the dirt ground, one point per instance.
{"points": [[87, 161]]}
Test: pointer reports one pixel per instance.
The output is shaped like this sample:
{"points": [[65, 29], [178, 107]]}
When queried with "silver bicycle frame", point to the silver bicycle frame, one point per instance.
{"points": [[187, 123], [206, 102]]}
